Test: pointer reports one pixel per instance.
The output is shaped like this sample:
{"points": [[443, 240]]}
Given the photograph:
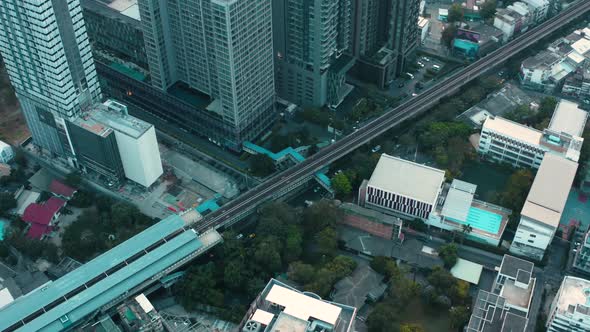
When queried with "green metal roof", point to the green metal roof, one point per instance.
{"points": [[41, 297]]}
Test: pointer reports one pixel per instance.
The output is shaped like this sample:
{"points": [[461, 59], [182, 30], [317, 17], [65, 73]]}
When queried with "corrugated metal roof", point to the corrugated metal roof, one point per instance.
{"points": [[39, 298], [117, 284]]}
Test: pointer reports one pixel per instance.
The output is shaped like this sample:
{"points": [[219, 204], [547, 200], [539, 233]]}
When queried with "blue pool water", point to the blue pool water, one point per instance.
{"points": [[483, 220]]}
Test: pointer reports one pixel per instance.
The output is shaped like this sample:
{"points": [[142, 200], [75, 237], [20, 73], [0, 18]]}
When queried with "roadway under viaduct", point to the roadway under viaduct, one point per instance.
{"points": [[290, 179]]}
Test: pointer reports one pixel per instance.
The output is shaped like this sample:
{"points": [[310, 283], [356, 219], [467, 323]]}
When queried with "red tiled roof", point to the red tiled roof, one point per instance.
{"points": [[43, 213], [61, 189], [37, 231]]}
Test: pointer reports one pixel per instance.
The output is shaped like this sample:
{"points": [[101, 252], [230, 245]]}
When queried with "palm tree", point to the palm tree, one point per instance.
{"points": [[466, 230]]}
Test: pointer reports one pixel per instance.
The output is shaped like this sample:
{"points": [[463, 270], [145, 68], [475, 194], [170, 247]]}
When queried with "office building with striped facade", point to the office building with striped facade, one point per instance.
{"points": [[47, 54], [402, 188], [509, 142]]}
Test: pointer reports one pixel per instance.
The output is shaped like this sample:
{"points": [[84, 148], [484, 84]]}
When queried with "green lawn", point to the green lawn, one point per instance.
{"points": [[488, 177], [432, 321]]}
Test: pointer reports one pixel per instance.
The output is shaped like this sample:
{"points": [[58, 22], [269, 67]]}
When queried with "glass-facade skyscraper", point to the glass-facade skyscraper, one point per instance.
{"points": [[222, 48], [49, 62]]}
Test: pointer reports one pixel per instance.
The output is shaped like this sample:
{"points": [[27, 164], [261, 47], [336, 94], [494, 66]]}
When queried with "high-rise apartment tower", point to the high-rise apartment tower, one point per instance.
{"points": [[222, 48], [47, 54], [312, 41]]}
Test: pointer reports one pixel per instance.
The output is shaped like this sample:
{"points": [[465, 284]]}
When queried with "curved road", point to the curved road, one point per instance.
{"points": [[378, 126]]}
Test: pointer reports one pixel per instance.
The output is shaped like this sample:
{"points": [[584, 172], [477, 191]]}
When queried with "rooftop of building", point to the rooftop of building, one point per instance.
{"points": [[568, 118], [189, 95], [58, 303], [137, 312], [573, 296], [490, 314], [283, 308], [4, 145], [61, 189], [111, 115], [542, 60], [370, 214], [550, 189], [458, 201], [511, 266], [467, 271], [406, 178], [128, 8], [581, 46], [42, 213], [513, 129], [537, 3], [362, 285], [516, 295]]}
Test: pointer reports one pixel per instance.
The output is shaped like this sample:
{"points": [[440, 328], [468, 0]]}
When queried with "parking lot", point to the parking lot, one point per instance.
{"points": [[405, 86]]}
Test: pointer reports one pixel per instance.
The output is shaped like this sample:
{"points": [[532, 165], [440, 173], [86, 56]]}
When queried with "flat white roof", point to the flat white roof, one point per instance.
{"points": [[581, 46], [407, 178], [568, 118], [458, 200], [550, 189], [126, 7], [512, 129], [576, 57], [573, 291], [144, 303], [262, 317], [5, 297], [302, 306], [467, 271]]}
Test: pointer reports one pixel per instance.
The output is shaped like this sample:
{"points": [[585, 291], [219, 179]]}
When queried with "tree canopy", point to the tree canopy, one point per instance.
{"points": [[7, 202], [456, 13], [488, 9], [341, 184], [448, 253], [261, 165]]}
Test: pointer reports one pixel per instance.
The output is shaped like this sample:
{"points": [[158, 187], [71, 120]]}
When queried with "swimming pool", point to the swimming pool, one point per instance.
{"points": [[483, 220], [2, 230]]}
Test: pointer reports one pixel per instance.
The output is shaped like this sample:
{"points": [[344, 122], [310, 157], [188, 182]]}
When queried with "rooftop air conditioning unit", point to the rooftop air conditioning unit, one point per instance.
{"points": [[252, 326]]}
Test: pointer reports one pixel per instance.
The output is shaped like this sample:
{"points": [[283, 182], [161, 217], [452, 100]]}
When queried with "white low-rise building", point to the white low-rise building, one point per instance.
{"points": [[538, 10], [505, 308], [570, 310], [540, 215], [6, 153], [403, 188], [423, 26], [510, 21], [506, 141], [458, 210]]}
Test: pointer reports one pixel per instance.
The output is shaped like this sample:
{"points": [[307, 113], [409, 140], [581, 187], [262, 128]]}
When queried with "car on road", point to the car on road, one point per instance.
{"points": [[435, 67], [420, 64], [410, 76], [425, 59], [376, 149]]}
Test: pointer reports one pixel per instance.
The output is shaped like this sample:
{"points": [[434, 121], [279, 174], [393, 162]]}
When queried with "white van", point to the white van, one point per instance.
{"points": [[436, 67]]}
